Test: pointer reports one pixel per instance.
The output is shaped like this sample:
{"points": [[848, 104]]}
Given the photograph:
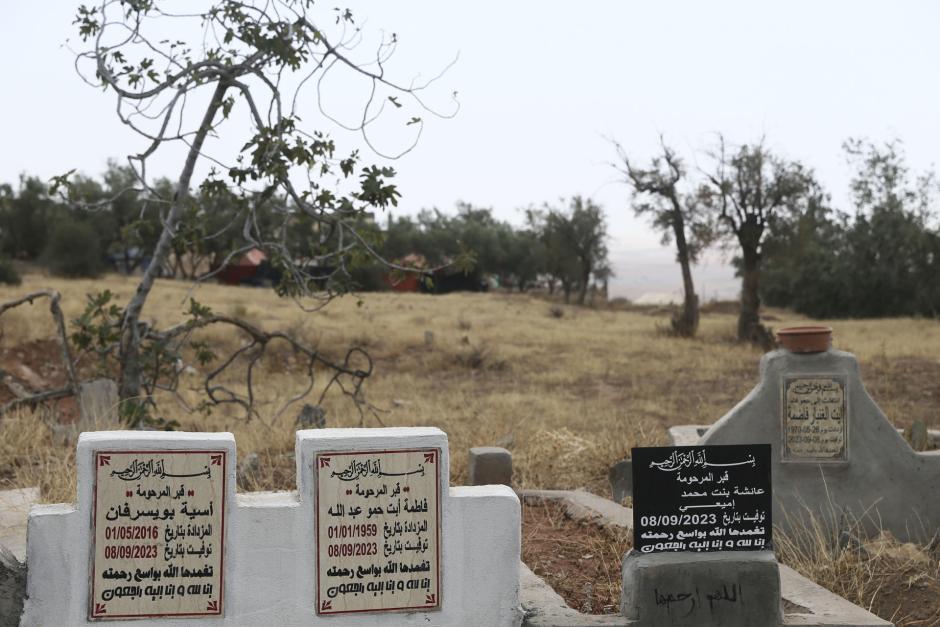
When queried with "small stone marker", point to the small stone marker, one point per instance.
{"points": [[620, 476], [378, 530], [702, 498], [159, 533], [815, 419], [726, 589], [489, 465]]}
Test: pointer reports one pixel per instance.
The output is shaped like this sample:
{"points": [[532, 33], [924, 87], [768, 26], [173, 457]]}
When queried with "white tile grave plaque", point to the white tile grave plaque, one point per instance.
{"points": [[815, 418], [378, 530], [159, 534]]}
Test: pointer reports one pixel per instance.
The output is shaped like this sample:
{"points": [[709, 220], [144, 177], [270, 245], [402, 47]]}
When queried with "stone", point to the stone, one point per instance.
{"points": [[14, 509], [723, 589], [489, 465], [98, 404], [311, 417], [153, 501], [12, 588], [918, 436], [620, 477]]}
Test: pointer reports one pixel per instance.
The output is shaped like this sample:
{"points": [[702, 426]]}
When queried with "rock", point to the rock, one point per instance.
{"points": [[620, 477], [917, 436], [12, 588], [311, 417], [97, 411], [98, 404]]}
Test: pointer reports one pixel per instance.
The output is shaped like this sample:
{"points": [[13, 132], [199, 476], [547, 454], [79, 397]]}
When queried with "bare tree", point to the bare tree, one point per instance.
{"points": [[268, 63], [746, 188], [678, 215]]}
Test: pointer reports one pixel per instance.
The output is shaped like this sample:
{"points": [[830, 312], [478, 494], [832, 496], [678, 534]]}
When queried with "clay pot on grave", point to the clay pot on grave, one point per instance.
{"points": [[805, 339]]}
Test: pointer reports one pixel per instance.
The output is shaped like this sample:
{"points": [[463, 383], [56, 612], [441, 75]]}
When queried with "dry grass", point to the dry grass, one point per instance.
{"points": [[568, 390], [898, 581], [568, 395]]}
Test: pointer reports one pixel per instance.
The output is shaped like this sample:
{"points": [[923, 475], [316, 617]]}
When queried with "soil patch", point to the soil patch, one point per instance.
{"points": [[581, 561]]}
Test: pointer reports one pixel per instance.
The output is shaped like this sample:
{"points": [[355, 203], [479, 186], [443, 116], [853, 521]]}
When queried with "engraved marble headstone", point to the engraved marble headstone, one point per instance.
{"points": [[158, 534], [815, 418], [378, 530]]}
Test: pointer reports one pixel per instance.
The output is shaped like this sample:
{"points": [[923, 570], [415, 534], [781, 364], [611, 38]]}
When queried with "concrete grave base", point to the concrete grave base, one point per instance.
{"points": [[720, 589], [804, 602], [269, 542], [881, 483]]}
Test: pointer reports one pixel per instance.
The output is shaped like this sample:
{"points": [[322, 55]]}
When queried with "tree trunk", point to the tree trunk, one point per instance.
{"points": [[749, 326], [685, 323], [585, 283], [129, 357], [566, 288]]}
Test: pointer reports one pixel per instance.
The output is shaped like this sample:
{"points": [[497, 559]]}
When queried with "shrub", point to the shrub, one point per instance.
{"points": [[8, 273], [73, 250]]}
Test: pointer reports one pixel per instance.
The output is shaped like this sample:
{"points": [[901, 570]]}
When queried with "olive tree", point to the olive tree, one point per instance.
{"points": [[747, 187], [661, 191]]}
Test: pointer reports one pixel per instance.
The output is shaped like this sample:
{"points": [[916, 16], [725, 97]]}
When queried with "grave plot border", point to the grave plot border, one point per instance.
{"points": [[806, 604]]}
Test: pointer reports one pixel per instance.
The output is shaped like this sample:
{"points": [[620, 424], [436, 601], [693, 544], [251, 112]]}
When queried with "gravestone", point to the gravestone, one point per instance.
{"points": [[378, 530], [835, 455], [694, 498], [158, 540], [147, 537], [702, 549]]}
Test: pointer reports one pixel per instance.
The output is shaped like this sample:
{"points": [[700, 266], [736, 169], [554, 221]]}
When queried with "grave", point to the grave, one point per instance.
{"points": [[836, 457], [702, 538], [373, 534]]}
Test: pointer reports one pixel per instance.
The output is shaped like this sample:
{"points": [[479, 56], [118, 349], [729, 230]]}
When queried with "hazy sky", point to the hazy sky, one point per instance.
{"points": [[541, 84]]}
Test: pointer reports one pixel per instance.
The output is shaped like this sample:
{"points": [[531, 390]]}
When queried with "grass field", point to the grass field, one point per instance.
{"points": [[568, 395], [568, 391]]}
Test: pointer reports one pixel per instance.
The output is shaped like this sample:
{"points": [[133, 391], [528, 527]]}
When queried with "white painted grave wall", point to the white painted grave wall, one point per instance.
{"points": [[270, 559]]}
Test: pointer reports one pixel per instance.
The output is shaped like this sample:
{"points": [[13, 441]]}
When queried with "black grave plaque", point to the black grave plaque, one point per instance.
{"points": [[702, 498]]}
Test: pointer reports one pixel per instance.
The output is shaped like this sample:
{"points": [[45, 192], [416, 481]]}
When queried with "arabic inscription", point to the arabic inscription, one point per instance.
{"points": [[158, 534], [378, 531], [815, 421]]}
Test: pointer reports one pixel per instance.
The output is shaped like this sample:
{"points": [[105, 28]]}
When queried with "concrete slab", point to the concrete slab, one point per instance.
{"points": [[14, 511], [582, 505]]}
